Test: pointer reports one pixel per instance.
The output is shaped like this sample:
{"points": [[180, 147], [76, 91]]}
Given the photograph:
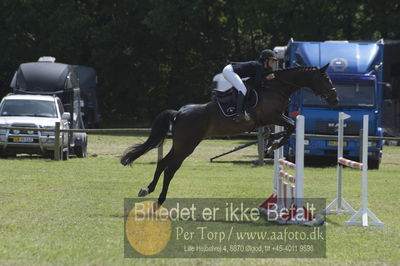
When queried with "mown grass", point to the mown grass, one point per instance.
{"points": [[71, 212]]}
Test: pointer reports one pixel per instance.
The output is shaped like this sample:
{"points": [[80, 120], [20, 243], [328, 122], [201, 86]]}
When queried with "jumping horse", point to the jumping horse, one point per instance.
{"points": [[191, 126]]}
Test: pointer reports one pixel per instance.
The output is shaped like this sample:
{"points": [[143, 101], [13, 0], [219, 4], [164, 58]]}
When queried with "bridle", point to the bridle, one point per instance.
{"points": [[326, 95]]}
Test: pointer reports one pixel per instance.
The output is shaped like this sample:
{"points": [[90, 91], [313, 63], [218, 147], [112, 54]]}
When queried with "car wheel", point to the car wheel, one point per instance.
{"points": [[81, 151], [65, 154], [373, 164]]}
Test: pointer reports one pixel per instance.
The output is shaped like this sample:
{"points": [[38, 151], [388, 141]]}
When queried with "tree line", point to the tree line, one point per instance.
{"points": [[159, 54]]}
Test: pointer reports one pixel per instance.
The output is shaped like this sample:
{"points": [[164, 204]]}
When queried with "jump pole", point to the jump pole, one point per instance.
{"points": [[299, 161], [278, 153]]}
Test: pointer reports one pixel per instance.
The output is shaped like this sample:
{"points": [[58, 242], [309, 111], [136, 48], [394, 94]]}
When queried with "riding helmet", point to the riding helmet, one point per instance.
{"points": [[267, 54]]}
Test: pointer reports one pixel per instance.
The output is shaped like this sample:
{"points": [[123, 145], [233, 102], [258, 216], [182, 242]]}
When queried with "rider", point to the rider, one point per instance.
{"points": [[257, 71]]}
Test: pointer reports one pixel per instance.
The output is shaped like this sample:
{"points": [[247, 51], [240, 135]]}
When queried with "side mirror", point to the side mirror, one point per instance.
{"points": [[378, 66], [66, 116]]}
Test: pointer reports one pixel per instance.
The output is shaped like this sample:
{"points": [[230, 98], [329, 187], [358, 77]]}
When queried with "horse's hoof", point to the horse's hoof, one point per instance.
{"points": [[273, 147], [156, 206], [143, 192]]}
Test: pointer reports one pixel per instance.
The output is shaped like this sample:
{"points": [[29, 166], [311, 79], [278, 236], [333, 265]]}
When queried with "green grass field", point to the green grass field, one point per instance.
{"points": [[71, 212]]}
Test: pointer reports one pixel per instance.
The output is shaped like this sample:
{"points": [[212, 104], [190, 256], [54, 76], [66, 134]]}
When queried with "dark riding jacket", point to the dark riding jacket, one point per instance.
{"points": [[253, 70]]}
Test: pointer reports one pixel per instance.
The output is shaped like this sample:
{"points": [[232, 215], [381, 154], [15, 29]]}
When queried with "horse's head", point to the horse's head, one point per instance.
{"points": [[322, 86]]}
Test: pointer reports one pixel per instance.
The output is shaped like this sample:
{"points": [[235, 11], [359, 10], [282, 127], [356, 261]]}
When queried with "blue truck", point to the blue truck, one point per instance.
{"points": [[363, 74]]}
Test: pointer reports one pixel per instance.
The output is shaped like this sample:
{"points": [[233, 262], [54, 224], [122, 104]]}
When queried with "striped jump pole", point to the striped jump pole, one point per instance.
{"points": [[286, 191]]}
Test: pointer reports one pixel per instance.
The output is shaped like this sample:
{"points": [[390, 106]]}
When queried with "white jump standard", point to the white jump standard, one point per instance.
{"points": [[364, 213], [342, 207], [289, 189]]}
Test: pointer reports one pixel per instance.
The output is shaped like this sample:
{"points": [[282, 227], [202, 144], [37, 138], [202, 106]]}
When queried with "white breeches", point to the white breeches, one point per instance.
{"points": [[234, 79]]}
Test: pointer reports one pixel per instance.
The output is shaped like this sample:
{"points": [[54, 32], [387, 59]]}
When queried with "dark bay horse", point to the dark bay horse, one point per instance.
{"points": [[191, 126]]}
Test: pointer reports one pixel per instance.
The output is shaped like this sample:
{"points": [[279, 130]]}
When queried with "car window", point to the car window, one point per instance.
{"points": [[35, 108]]}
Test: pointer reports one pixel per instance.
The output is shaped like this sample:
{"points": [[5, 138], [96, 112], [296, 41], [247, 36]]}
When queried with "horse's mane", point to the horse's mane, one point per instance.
{"points": [[295, 69]]}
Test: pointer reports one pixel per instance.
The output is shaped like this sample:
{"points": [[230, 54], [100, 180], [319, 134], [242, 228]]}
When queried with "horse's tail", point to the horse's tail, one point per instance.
{"points": [[157, 135]]}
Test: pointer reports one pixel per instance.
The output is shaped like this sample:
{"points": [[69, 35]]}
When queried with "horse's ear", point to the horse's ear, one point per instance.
{"points": [[323, 69]]}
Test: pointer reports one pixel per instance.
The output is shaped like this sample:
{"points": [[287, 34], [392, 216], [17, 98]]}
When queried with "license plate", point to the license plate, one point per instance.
{"points": [[335, 143], [22, 139]]}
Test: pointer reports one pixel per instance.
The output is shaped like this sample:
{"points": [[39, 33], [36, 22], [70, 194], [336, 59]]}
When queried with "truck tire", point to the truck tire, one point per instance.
{"points": [[374, 164], [64, 155], [81, 150]]}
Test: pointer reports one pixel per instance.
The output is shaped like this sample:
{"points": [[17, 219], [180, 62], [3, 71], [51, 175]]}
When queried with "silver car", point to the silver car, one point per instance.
{"points": [[32, 111]]}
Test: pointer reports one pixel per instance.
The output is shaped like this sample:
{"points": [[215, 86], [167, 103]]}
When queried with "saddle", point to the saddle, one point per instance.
{"points": [[226, 100]]}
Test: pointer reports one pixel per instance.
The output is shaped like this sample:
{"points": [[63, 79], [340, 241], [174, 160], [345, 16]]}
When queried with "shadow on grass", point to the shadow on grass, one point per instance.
{"points": [[254, 162], [329, 221], [267, 162], [44, 158], [27, 157], [320, 162], [106, 215], [144, 163]]}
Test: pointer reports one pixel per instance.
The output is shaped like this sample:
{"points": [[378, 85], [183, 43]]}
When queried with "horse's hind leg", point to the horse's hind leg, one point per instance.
{"points": [[179, 153], [168, 175], [161, 165]]}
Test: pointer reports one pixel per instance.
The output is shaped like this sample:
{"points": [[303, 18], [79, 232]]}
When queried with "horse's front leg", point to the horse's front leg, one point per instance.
{"points": [[272, 137], [276, 136], [289, 128]]}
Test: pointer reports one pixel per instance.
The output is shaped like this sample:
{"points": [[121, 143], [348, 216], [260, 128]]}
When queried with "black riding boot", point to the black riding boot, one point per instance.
{"points": [[241, 113]]}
